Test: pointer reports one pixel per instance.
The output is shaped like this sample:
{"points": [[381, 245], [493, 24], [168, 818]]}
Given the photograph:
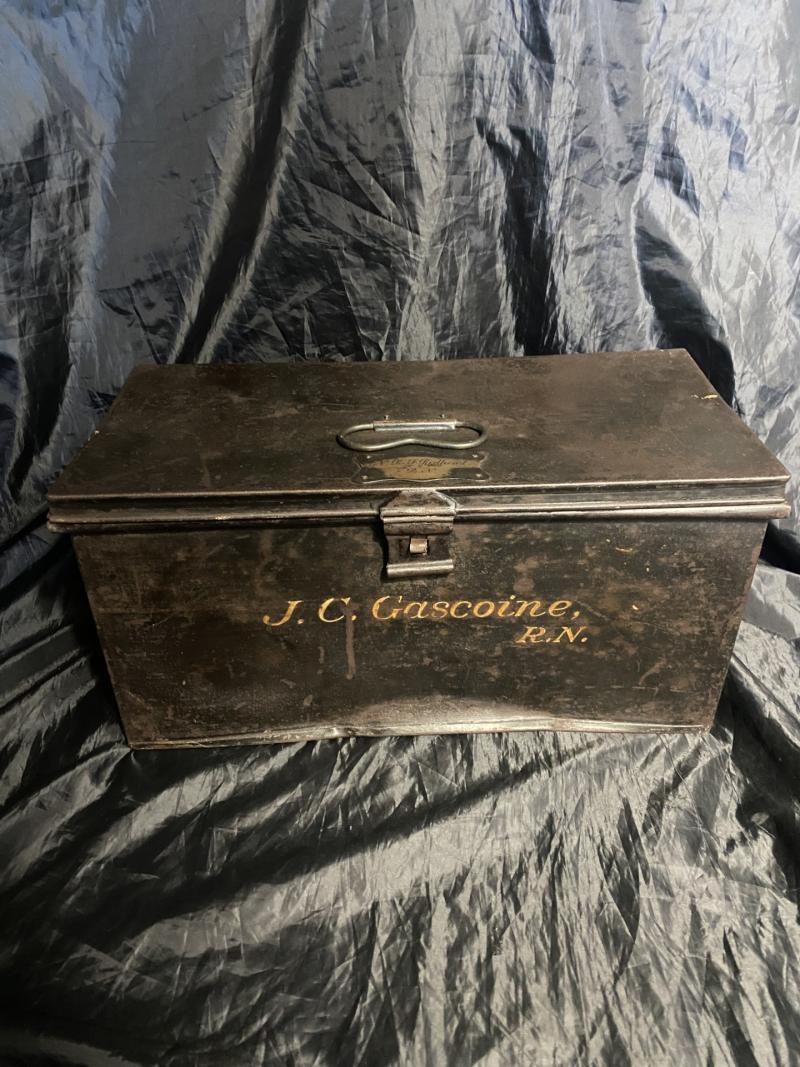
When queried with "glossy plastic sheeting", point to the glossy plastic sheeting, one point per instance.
{"points": [[403, 180]]}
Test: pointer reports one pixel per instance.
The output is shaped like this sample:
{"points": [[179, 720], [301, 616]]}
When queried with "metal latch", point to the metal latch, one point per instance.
{"points": [[417, 524]]}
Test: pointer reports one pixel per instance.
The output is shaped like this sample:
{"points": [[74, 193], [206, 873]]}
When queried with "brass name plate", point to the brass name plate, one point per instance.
{"points": [[421, 468]]}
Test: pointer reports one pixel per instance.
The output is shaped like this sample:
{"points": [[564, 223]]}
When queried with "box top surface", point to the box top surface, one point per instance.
{"points": [[187, 433]]}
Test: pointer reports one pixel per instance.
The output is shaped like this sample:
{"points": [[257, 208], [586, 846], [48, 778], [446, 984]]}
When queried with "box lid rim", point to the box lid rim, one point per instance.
{"points": [[737, 497]]}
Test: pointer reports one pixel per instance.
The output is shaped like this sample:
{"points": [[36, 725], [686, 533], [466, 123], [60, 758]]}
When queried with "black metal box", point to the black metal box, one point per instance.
{"points": [[279, 552]]}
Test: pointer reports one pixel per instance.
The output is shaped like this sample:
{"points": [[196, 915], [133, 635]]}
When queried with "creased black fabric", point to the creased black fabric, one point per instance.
{"points": [[364, 181]]}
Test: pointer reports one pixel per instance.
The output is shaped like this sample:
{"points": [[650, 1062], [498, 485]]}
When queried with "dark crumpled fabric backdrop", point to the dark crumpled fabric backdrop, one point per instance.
{"points": [[402, 180]]}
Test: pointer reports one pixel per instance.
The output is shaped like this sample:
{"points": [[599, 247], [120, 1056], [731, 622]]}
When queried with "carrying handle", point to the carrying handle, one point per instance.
{"points": [[388, 426]]}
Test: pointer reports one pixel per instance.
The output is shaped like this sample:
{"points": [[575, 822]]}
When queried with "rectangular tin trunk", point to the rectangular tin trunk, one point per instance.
{"points": [[281, 552]]}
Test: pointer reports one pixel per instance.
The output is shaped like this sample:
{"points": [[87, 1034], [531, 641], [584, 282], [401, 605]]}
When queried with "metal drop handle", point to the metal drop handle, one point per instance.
{"points": [[387, 426]]}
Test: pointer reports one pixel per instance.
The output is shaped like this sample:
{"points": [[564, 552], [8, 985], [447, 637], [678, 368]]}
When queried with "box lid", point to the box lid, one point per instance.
{"points": [[622, 432]]}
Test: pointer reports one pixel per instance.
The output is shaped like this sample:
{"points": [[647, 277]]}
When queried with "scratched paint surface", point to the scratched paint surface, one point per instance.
{"points": [[296, 632]]}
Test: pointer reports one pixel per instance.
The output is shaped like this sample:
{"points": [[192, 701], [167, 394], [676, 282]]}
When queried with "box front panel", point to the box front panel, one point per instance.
{"points": [[286, 632]]}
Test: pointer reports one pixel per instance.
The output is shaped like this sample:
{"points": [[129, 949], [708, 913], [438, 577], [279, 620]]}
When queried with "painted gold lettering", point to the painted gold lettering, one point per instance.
{"points": [[290, 610], [559, 607], [463, 614], [326, 604], [571, 634], [420, 609], [533, 635], [486, 609], [440, 609], [502, 609], [391, 613], [531, 607]]}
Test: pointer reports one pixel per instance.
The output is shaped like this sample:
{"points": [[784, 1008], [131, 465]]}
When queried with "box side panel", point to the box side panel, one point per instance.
{"points": [[282, 633]]}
